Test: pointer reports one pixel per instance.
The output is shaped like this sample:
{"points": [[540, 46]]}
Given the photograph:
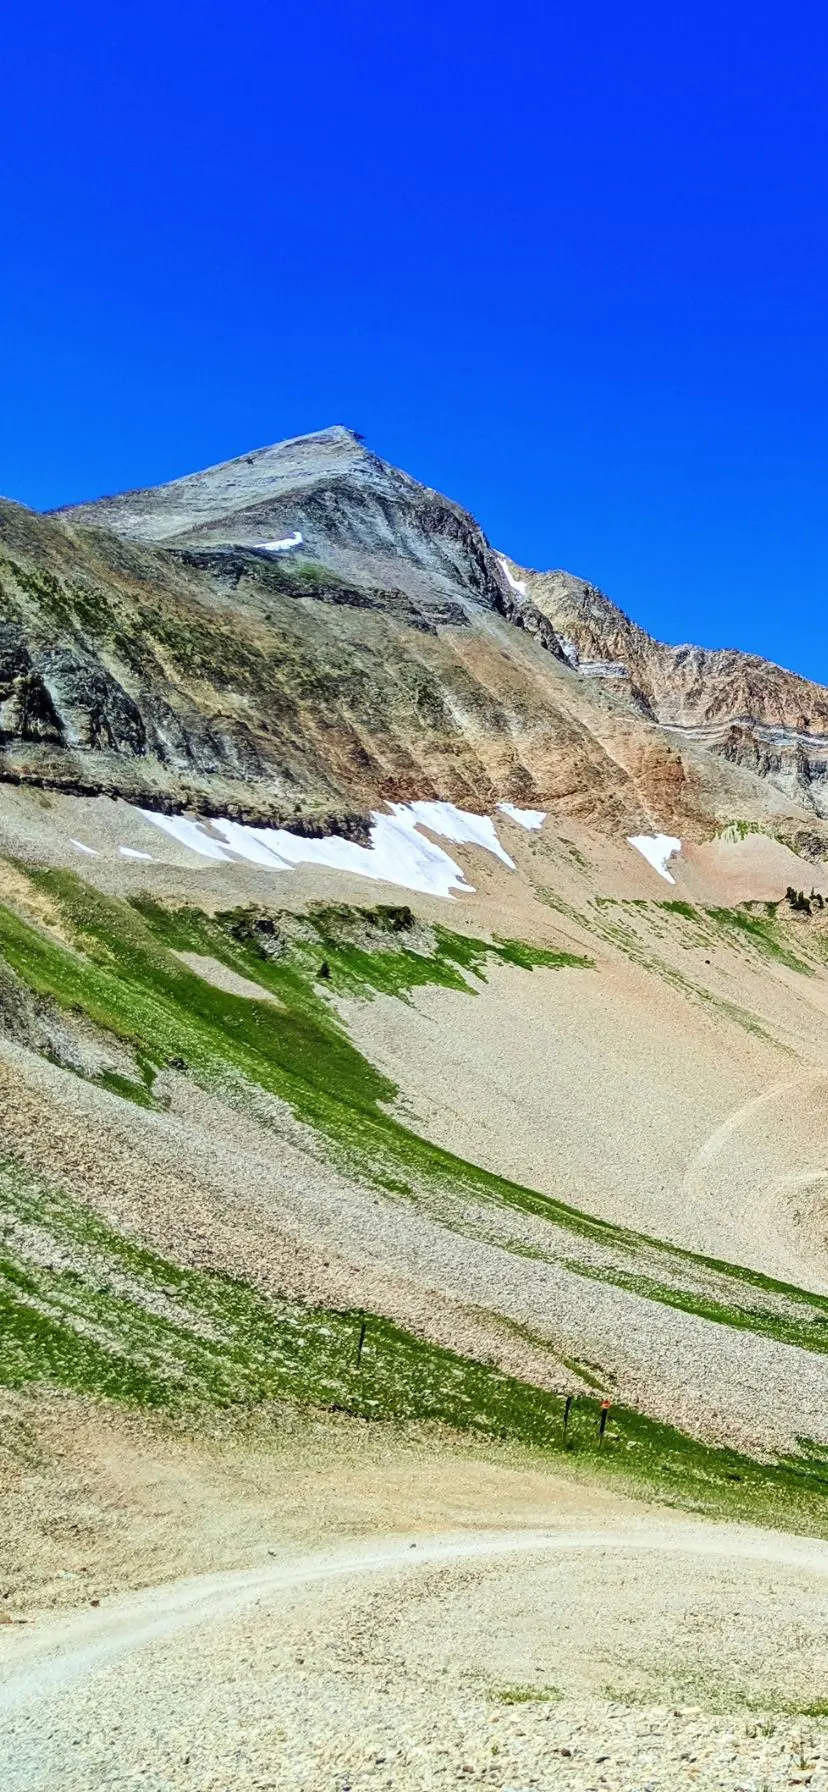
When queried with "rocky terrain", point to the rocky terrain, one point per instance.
{"points": [[269, 683], [413, 984], [306, 632], [751, 712], [326, 493]]}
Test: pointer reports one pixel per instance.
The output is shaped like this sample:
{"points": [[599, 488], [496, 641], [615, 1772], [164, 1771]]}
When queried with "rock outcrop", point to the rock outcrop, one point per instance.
{"points": [[329, 501], [306, 632], [753, 713], [267, 686]]}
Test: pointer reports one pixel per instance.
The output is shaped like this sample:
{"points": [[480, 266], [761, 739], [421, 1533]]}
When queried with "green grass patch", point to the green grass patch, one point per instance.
{"points": [[123, 975], [740, 830], [676, 906], [761, 931], [796, 1327], [85, 1308], [126, 1087]]}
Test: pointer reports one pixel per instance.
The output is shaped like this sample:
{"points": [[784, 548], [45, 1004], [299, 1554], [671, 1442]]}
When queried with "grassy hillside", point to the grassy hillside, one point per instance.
{"points": [[117, 965], [82, 1307], [86, 1308]]}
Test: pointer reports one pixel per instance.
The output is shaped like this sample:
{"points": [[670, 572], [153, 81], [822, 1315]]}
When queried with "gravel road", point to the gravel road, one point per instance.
{"points": [[292, 1678]]}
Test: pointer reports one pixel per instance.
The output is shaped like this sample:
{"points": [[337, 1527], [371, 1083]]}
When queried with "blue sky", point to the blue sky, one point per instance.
{"points": [[568, 264]]}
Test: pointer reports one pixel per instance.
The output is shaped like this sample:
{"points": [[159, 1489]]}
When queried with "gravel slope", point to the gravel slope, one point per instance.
{"points": [[467, 1666]]}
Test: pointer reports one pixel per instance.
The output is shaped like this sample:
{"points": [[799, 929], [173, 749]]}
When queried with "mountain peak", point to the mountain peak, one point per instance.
{"points": [[334, 515], [328, 500], [179, 507]]}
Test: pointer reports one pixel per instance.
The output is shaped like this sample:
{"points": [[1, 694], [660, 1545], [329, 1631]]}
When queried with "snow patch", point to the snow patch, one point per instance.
{"points": [[281, 547], [525, 818], [131, 852], [656, 849], [249, 844], [517, 585], [398, 852], [458, 825], [189, 833], [81, 848]]}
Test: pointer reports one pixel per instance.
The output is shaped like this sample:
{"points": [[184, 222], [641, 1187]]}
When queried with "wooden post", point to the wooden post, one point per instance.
{"points": [[362, 1330], [602, 1425], [567, 1411]]}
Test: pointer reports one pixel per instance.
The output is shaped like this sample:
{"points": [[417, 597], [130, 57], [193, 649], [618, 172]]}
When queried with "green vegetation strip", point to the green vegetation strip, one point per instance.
{"points": [[84, 1308], [124, 975], [617, 923], [762, 931]]}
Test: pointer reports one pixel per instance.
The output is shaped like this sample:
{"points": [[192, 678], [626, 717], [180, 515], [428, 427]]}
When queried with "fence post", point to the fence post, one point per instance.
{"points": [[362, 1330], [605, 1406], [567, 1411]]}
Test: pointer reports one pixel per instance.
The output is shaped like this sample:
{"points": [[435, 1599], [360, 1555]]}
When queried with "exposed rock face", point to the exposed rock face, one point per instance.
{"points": [[345, 509], [754, 713], [306, 632], [264, 686]]}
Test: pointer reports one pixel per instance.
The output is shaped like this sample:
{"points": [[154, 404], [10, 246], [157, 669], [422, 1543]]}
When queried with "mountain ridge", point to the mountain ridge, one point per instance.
{"points": [[306, 630], [746, 708]]}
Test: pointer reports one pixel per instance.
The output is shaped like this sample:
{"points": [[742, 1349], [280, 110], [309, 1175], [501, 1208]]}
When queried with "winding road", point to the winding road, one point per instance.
{"points": [[59, 1654]]}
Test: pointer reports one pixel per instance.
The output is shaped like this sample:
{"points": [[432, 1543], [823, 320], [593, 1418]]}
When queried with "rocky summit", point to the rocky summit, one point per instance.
{"points": [[304, 632]]}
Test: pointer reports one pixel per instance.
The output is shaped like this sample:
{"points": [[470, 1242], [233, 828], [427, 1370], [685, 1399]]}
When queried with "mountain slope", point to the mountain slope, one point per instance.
{"points": [[385, 1198], [743, 707], [306, 632], [266, 686], [347, 510], [286, 1153]]}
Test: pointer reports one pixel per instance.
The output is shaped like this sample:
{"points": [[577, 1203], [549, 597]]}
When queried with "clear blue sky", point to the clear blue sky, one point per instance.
{"points": [[565, 262]]}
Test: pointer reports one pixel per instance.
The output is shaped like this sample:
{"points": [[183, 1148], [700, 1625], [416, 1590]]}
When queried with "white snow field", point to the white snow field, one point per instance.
{"points": [[281, 547], [518, 585], [457, 824], [399, 853], [525, 818], [656, 849]]}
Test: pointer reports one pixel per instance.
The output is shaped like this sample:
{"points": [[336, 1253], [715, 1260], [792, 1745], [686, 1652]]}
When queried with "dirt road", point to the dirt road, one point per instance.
{"points": [[285, 1677]]}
